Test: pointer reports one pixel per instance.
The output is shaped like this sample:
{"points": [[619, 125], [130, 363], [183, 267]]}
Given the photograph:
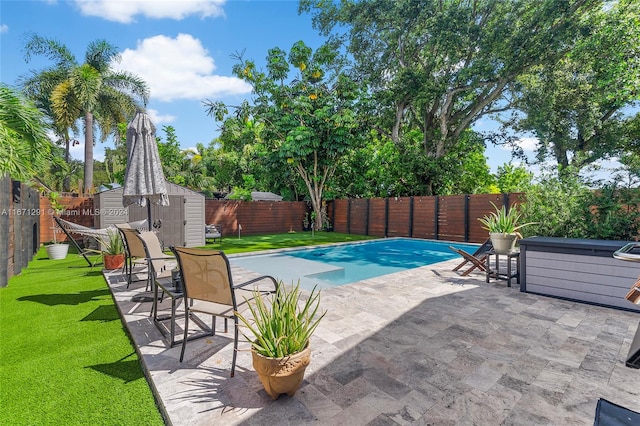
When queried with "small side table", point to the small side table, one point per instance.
{"points": [[513, 255], [171, 287]]}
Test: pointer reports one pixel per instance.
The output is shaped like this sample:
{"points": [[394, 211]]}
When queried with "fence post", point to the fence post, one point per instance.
{"points": [[366, 219], [505, 201], [386, 217], [349, 216], [411, 217], [436, 229], [466, 218]]}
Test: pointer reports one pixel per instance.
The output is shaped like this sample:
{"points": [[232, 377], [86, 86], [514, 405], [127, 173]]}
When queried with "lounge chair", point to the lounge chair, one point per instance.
{"points": [[477, 259], [208, 289]]}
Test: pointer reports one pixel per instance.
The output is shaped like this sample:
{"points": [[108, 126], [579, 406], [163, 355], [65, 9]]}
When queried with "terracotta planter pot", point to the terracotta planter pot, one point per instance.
{"points": [[113, 261], [281, 375]]}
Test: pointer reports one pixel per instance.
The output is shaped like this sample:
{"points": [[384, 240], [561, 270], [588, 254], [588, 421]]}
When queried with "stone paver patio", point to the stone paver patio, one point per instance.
{"points": [[423, 346]]}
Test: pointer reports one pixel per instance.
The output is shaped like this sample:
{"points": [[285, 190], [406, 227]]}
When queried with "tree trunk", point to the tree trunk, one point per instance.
{"points": [[66, 182], [88, 153]]}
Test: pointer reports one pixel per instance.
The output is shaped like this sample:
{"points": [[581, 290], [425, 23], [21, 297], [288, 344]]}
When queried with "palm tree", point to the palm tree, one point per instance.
{"points": [[91, 91], [24, 146]]}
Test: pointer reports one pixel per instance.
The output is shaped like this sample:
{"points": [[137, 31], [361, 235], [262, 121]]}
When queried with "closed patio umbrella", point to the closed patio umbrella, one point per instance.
{"points": [[144, 181]]}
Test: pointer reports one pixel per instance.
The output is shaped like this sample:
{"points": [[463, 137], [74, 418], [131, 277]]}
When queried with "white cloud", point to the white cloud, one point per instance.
{"points": [[527, 144], [178, 68], [158, 118], [125, 11], [4, 29]]}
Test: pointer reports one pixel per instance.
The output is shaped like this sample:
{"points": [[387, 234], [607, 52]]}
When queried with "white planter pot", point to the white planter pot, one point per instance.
{"points": [[503, 243], [57, 251]]}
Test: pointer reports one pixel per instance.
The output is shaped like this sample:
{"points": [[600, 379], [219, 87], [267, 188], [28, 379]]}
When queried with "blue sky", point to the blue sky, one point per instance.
{"points": [[181, 48]]}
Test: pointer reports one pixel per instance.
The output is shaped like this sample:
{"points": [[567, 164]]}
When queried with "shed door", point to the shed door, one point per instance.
{"points": [[167, 220]]}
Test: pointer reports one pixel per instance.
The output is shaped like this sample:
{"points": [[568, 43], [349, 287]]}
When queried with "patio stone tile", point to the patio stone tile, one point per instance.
{"points": [[420, 347], [485, 376], [322, 407]]}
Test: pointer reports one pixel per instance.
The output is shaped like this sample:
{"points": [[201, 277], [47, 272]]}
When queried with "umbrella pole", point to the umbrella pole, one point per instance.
{"points": [[149, 213]]}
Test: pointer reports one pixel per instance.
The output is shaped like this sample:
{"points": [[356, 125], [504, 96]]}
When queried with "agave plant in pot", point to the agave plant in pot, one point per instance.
{"points": [[112, 249], [279, 331], [503, 228]]}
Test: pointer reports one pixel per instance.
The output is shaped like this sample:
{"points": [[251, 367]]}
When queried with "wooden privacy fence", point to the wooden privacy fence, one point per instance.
{"points": [[25, 219], [451, 218], [19, 227], [255, 217]]}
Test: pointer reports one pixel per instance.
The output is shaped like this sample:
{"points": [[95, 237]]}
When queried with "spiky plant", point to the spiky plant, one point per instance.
{"points": [[282, 326]]}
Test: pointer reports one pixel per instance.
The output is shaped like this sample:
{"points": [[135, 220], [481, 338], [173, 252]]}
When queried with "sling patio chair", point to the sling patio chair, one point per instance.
{"points": [[209, 289], [477, 259], [159, 264], [135, 254]]}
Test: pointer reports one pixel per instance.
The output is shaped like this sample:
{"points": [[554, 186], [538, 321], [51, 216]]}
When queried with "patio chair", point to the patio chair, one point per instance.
{"points": [[213, 232], [477, 259], [134, 250], [158, 263], [208, 289]]}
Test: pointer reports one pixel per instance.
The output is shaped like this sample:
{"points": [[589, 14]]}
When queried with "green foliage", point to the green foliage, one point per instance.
{"points": [[615, 214], [280, 327], [437, 66], [558, 207], [578, 106], [512, 178], [91, 91], [304, 115], [565, 207], [24, 146]]}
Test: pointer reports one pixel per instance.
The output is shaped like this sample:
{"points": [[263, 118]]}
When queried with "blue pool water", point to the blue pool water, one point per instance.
{"points": [[329, 266]]}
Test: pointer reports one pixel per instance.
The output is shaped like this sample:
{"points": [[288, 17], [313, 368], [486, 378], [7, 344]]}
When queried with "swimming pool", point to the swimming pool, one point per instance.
{"points": [[329, 266]]}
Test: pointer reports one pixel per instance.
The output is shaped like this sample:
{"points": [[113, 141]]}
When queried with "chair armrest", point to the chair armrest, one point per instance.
{"points": [[160, 258], [275, 282]]}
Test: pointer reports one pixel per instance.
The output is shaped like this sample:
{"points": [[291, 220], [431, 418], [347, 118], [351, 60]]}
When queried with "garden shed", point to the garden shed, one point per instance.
{"points": [[181, 223]]}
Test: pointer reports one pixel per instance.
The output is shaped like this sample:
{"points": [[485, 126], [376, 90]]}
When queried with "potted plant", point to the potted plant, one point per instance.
{"points": [[56, 250], [279, 332], [112, 249], [503, 228]]}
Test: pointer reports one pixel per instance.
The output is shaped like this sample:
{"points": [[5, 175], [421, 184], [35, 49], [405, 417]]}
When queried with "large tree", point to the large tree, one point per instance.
{"points": [[91, 91], [24, 147], [581, 109], [439, 65], [309, 117]]}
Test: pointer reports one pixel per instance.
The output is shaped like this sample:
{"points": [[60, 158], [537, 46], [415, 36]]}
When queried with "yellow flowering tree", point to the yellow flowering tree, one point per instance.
{"points": [[307, 104]]}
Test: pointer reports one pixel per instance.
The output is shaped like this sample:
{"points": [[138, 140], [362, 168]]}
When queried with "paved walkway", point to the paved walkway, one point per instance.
{"points": [[423, 346]]}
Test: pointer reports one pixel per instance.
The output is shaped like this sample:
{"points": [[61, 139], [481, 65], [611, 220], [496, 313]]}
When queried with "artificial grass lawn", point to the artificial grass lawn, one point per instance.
{"points": [[232, 244], [65, 358]]}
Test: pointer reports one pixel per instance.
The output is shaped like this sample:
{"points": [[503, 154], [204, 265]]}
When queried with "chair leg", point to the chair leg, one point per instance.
{"points": [[186, 331], [128, 270], [235, 345]]}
